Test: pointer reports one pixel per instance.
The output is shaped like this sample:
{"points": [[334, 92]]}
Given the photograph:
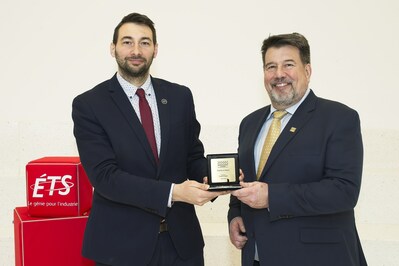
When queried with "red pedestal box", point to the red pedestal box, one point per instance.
{"points": [[48, 241], [57, 187]]}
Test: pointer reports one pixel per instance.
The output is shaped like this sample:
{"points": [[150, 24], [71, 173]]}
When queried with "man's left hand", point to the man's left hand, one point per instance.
{"points": [[254, 194]]}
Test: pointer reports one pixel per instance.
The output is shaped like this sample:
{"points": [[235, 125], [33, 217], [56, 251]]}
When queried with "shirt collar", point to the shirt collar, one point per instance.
{"points": [[131, 89]]}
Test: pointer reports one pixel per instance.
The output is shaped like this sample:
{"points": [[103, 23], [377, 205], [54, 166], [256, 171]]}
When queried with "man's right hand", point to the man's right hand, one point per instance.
{"points": [[192, 192], [237, 233]]}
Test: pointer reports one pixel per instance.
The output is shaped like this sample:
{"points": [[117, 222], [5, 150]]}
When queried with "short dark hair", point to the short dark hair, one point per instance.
{"points": [[136, 18], [293, 39]]}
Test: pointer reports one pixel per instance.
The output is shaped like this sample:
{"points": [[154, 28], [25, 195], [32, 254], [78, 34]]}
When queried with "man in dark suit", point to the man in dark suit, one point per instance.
{"points": [[297, 208], [146, 179]]}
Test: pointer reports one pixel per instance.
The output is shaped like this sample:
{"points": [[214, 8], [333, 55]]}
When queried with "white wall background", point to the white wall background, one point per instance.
{"points": [[50, 51]]}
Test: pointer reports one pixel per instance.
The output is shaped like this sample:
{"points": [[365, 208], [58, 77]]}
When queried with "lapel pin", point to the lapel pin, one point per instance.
{"points": [[293, 129], [164, 101]]}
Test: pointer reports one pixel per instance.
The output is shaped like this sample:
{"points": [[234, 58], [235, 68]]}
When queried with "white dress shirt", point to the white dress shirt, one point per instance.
{"points": [[263, 132], [130, 91]]}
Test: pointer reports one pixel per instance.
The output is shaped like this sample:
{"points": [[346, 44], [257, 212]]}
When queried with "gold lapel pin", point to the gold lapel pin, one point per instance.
{"points": [[293, 129]]}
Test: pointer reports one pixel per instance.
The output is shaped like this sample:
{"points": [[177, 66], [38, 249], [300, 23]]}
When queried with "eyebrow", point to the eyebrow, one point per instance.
{"points": [[126, 37], [131, 38], [285, 61]]}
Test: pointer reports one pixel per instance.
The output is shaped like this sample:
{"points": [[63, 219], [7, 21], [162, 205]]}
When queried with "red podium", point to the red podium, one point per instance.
{"points": [[48, 242], [57, 187]]}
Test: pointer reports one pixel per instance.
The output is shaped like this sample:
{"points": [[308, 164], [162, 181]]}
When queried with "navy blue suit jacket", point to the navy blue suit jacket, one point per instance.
{"points": [[130, 191], [314, 174]]}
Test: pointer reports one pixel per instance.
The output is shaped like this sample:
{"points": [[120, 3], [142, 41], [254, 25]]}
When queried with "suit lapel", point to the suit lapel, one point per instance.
{"points": [[125, 107], [294, 126], [161, 94], [257, 126]]}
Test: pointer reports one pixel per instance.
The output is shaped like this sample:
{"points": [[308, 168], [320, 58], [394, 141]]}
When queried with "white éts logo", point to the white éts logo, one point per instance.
{"points": [[57, 183]]}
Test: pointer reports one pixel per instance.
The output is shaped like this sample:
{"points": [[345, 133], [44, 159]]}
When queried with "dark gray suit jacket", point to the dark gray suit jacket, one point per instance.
{"points": [[131, 191], [314, 174]]}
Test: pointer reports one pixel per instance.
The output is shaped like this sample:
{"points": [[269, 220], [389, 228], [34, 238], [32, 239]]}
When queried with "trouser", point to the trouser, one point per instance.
{"points": [[165, 254]]}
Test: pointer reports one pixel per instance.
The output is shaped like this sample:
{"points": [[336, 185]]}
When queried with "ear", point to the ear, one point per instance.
{"points": [[308, 71], [155, 50], [112, 49]]}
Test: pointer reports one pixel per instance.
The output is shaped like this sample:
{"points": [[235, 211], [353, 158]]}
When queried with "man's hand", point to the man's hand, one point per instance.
{"points": [[254, 194], [237, 232], [192, 192]]}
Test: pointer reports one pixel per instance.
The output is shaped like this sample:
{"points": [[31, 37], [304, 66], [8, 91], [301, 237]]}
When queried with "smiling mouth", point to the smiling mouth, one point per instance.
{"points": [[135, 61], [281, 85]]}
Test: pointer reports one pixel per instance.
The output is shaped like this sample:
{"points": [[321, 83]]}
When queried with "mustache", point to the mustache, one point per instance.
{"points": [[280, 80], [135, 58]]}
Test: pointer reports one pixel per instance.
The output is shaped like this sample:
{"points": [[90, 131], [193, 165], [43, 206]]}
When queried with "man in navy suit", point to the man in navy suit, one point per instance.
{"points": [[298, 209], [144, 195]]}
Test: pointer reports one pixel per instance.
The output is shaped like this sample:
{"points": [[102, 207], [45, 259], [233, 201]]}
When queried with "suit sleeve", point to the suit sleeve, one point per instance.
{"points": [[235, 203], [100, 163], [196, 162], [337, 190]]}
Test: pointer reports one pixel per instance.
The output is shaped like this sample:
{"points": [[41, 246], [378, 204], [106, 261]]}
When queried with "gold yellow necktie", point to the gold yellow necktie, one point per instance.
{"points": [[272, 135]]}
